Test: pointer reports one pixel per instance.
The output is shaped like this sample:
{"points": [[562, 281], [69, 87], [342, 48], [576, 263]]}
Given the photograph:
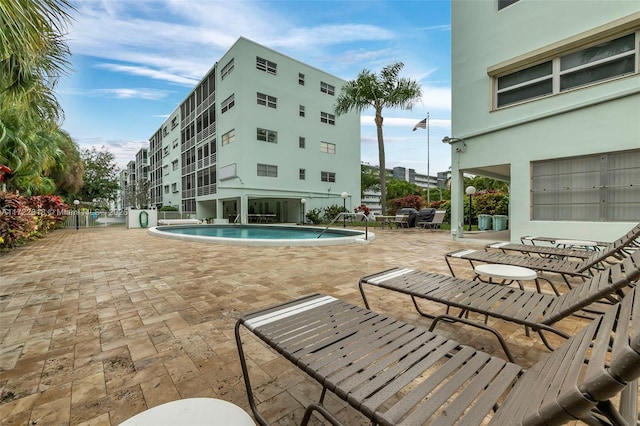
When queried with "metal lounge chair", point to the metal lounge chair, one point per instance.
{"points": [[629, 239], [435, 223], [565, 267], [538, 312], [397, 373]]}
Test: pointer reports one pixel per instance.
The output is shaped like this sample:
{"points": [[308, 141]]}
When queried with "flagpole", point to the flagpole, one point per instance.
{"points": [[428, 177]]}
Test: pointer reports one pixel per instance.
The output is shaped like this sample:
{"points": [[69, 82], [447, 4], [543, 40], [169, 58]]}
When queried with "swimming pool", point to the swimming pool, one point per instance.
{"points": [[262, 235]]}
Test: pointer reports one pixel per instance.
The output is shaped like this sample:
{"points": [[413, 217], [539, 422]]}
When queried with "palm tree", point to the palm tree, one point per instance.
{"points": [[386, 90], [33, 56]]}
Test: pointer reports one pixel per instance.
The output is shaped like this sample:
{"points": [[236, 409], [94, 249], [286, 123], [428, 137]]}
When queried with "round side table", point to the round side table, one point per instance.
{"points": [[192, 411], [507, 273]]}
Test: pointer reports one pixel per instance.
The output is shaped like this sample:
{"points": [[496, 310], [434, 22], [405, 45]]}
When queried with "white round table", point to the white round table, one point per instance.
{"points": [[507, 273], [192, 412]]}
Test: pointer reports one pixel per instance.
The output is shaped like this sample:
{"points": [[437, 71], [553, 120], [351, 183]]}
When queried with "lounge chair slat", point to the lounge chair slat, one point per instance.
{"points": [[396, 373], [464, 362]]}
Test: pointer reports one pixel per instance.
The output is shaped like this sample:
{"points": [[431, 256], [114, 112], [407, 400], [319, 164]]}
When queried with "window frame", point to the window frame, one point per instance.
{"points": [[227, 104], [267, 170], [228, 138], [555, 54], [327, 176], [327, 118], [302, 142], [266, 100], [266, 65], [227, 69], [266, 133], [302, 174], [301, 111], [327, 147], [327, 88]]}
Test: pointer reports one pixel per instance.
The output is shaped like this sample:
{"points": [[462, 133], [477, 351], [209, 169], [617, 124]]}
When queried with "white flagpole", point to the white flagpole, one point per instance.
{"points": [[428, 177]]}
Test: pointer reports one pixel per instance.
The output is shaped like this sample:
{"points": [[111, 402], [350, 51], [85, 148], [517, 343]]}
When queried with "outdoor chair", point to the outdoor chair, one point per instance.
{"points": [[397, 373], [435, 223], [401, 221], [564, 267], [629, 239], [536, 311]]}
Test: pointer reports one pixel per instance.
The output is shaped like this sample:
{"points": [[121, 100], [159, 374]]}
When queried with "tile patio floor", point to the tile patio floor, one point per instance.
{"points": [[98, 325]]}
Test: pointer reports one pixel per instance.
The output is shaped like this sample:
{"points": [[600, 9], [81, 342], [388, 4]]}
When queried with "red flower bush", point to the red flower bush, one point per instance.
{"points": [[27, 218]]}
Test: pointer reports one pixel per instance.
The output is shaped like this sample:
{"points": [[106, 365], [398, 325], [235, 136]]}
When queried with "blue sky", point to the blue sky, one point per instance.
{"points": [[134, 61]]}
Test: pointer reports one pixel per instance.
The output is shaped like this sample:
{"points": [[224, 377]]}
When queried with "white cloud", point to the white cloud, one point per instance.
{"points": [[151, 73], [123, 150]]}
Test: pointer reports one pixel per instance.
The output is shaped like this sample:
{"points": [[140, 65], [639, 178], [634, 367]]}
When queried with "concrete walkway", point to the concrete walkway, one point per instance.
{"points": [[97, 325]]}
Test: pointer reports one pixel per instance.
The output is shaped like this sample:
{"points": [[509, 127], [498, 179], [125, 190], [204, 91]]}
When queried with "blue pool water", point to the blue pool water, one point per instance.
{"points": [[257, 232], [262, 235]]}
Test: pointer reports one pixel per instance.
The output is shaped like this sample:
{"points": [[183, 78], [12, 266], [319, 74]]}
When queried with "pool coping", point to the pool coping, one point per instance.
{"points": [[352, 239]]}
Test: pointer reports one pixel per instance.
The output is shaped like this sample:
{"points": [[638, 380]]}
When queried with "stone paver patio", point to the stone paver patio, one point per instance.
{"points": [[98, 325]]}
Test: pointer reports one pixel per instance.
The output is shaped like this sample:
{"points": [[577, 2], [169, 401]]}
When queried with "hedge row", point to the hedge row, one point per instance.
{"points": [[27, 218]]}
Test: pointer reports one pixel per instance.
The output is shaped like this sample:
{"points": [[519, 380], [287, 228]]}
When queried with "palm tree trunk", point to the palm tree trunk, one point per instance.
{"points": [[381, 161]]}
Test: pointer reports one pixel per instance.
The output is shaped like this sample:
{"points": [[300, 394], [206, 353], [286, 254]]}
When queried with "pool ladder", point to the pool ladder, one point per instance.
{"points": [[344, 215]]}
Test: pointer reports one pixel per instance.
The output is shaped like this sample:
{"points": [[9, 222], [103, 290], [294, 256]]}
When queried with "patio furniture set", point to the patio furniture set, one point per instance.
{"points": [[399, 373]]}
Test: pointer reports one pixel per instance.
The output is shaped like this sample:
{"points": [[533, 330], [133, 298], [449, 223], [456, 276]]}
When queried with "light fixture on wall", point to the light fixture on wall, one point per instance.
{"points": [[449, 140], [470, 191]]}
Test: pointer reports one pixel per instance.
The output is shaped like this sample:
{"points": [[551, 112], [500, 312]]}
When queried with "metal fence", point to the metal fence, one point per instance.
{"points": [[95, 219]]}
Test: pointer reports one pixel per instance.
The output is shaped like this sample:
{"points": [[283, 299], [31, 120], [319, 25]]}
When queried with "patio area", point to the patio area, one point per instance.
{"points": [[97, 325]]}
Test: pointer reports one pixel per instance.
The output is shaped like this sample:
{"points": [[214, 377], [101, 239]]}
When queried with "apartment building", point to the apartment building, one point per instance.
{"points": [[546, 96], [256, 136]]}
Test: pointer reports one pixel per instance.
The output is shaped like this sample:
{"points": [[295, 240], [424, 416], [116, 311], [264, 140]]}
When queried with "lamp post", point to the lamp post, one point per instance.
{"points": [[344, 196], [303, 202], [470, 191], [75, 203]]}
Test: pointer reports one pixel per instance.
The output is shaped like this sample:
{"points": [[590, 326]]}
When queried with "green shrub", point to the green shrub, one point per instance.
{"points": [[169, 209], [330, 212], [313, 216]]}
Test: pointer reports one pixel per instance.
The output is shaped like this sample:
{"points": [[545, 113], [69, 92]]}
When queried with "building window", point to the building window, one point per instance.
{"points": [[594, 188], [584, 67], [165, 170], [327, 88], [175, 143], [301, 79], [166, 189], [302, 142], [302, 174], [174, 187], [301, 111], [266, 66], [327, 176], [226, 70], [268, 170], [227, 104], [325, 117], [165, 151], [174, 165], [229, 137], [329, 148], [266, 100], [504, 3], [265, 135]]}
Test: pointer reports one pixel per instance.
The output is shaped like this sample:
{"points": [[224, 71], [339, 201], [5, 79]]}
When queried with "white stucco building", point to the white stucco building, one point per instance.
{"points": [[256, 136], [546, 96]]}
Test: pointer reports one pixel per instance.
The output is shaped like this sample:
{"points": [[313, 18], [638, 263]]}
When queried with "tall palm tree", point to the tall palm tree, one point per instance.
{"points": [[33, 56], [386, 90]]}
